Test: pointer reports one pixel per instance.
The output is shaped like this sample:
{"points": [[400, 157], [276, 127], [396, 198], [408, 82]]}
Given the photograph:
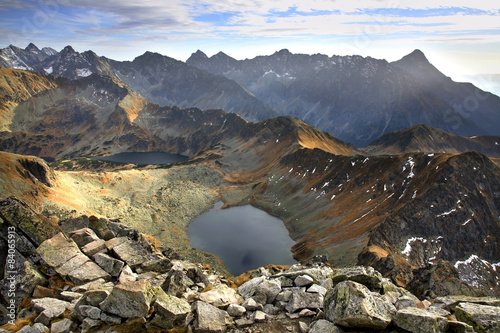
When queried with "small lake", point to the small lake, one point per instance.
{"points": [[144, 158], [243, 237]]}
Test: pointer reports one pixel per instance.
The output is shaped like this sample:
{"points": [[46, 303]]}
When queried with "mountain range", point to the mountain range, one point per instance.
{"points": [[355, 99], [359, 99], [423, 216], [282, 132]]}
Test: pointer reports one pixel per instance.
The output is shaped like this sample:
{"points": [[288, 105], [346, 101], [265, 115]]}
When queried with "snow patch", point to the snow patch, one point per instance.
{"points": [[83, 72], [412, 165], [469, 275], [407, 249], [49, 70], [467, 222], [447, 213]]}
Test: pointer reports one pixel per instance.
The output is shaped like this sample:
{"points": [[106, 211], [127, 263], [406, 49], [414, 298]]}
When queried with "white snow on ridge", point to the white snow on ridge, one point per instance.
{"points": [[407, 249], [49, 70], [470, 260], [447, 213], [467, 270], [83, 72], [467, 222], [412, 165]]}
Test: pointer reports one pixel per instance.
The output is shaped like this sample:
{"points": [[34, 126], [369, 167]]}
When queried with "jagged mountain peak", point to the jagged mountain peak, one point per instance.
{"points": [[417, 64], [152, 58], [220, 54], [49, 51], [68, 49], [32, 48], [416, 56], [199, 54], [283, 52]]}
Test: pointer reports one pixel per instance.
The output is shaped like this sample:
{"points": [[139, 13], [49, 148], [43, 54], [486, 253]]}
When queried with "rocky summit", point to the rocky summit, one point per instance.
{"points": [[98, 275]]}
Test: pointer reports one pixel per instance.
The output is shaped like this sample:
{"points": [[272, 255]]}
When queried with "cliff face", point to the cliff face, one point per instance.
{"points": [[452, 217]]}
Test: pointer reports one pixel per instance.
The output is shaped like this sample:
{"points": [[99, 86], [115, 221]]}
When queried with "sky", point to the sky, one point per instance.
{"points": [[460, 37]]}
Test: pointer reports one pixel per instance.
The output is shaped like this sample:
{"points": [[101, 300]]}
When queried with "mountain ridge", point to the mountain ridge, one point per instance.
{"points": [[354, 98], [424, 138], [161, 79], [316, 88]]}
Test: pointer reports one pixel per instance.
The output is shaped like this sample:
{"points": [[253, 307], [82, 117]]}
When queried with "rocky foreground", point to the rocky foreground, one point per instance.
{"points": [[97, 275]]}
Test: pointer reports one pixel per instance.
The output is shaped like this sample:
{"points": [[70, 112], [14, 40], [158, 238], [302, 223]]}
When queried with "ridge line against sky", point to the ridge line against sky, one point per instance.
{"points": [[460, 37]]}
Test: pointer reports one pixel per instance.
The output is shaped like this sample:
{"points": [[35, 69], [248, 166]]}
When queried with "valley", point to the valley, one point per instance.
{"points": [[415, 199]]}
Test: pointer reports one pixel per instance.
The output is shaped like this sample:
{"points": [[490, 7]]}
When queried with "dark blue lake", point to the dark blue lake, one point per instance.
{"points": [[243, 237], [144, 158]]}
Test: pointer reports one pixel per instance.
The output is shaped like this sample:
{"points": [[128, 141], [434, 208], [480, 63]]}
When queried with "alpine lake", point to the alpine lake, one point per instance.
{"points": [[243, 237]]}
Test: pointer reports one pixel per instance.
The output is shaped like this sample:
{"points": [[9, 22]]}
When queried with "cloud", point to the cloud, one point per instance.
{"points": [[262, 18], [159, 25]]}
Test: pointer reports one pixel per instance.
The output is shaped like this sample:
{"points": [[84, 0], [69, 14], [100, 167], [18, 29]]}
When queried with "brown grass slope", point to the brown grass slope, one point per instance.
{"points": [[426, 139], [17, 86]]}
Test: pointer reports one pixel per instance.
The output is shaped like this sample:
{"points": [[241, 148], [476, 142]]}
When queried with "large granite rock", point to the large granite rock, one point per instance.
{"points": [[483, 318], [62, 326], [18, 214], [248, 288], [176, 282], [367, 276], [170, 311], [269, 289], [83, 236], [351, 304], [324, 326], [19, 280], [210, 319], [65, 257], [221, 296], [111, 265], [300, 299], [48, 309], [129, 299], [419, 320]]}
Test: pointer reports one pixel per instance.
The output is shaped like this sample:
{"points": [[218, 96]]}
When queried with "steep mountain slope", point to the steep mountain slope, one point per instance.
{"points": [[160, 79], [98, 114], [356, 99], [423, 138], [16, 58], [166, 81], [19, 86], [473, 103], [71, 64], [396, 213]]}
